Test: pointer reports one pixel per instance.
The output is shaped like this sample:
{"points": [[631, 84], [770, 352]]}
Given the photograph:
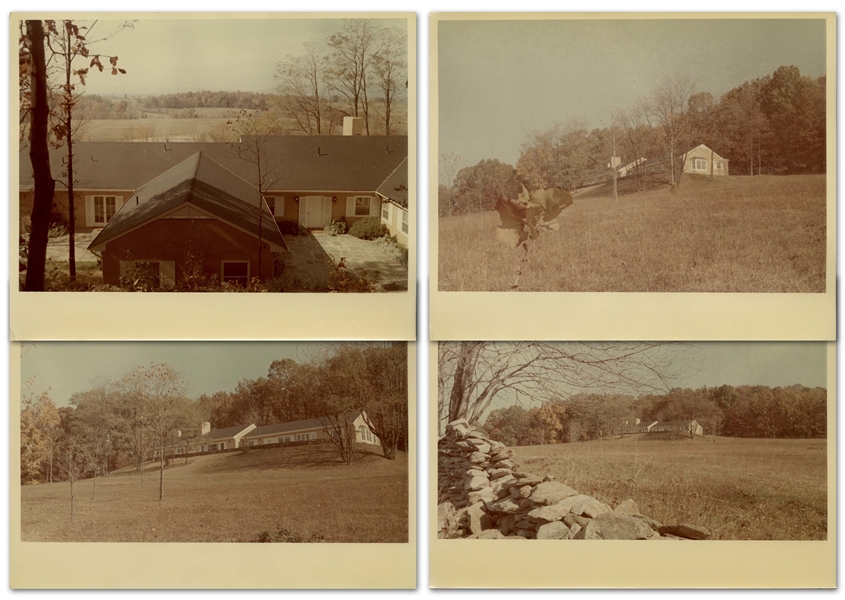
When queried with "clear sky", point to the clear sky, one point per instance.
{"points": [[501, 80], [206, 367], [775, 364], [221, 54]]}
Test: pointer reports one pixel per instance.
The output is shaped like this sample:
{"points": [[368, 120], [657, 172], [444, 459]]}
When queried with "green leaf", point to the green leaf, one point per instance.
{"points": [[511, 236]]}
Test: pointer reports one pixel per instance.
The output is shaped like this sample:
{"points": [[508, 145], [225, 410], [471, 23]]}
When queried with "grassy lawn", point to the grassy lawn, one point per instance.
{"points": [[740, 489], [231, 497], [735, 234]]}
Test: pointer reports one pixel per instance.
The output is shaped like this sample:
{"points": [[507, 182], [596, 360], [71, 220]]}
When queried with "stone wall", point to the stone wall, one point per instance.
{"points": [[482, 493]]}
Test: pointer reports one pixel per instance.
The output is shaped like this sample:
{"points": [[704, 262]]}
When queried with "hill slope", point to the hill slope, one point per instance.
{"points": [[231, 497], [732, 234]]}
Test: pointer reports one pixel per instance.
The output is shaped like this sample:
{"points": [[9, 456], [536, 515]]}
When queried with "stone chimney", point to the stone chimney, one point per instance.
{"points": [[206, 427], [353, 125]]}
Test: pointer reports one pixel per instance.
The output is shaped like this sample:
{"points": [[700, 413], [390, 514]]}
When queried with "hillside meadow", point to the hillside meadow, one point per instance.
{"points": [[303, 491], [740, 489], [731, 234]]}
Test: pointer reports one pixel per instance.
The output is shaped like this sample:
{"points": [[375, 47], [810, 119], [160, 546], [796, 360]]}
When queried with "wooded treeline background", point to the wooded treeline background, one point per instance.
{"points": [[360, 71], [118, 423], [742, 411], [775, 124]]}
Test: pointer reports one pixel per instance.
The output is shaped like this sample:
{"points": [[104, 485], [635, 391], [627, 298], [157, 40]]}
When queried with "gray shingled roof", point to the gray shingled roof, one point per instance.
{"points": [[344, 163], [395, 187], [226, 432], [293, 426], [203, 182]]}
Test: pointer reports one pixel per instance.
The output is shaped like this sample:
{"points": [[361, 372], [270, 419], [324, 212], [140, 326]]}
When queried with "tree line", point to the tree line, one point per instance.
{"points": [[742, 411], [774, 124], [117, 423]]}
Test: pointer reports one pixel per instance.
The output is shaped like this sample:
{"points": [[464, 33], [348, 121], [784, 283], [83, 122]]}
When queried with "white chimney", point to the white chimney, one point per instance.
{"points": [[206, 427], [353, 125]]}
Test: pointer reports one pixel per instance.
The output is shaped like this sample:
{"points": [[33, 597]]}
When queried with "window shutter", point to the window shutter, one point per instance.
{"points": [[375, 206], [303, 211], [279, 206], [350, 206], [89, 211], [327, 210], [167, 274]]}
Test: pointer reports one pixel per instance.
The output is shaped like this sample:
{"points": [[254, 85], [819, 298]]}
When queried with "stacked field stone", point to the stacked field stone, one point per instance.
{"points": [[483, 494]]}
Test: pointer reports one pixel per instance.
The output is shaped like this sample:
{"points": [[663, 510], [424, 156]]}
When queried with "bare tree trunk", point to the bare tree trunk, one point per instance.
{"points": [[161, 474], [70, 196], [711, 164], [39, 155], [94, 488], [71, 499]]}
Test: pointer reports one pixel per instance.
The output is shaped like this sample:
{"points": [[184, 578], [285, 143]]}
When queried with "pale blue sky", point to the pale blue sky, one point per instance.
{"points": [[206, 367], [501, 80], [180, 55]]}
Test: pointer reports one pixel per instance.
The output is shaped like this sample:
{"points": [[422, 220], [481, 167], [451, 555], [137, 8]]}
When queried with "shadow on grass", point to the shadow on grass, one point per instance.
{"points": [[296, 457]]}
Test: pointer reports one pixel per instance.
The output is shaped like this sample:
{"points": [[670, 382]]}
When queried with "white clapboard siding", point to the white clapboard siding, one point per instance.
{"points": [[375, 207]]}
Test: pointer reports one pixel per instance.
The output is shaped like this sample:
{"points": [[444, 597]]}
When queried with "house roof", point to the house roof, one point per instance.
{"points": [[203, 182], [294, 426], [395, 187], [296, 163], [225, 433]]}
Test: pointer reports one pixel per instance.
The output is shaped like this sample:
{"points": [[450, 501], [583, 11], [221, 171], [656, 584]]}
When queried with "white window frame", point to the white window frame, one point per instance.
{"points": [[278, 208], [695, 163], [223, 264], [718, 165], [385, 212], [404, 224], [91, 209], [312, 435], [366, 208]]}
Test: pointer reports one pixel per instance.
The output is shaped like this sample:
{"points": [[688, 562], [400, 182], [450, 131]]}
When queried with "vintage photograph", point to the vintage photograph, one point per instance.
{"points": [[633, 440], [255, 442], [214, 154], [632, 154]]}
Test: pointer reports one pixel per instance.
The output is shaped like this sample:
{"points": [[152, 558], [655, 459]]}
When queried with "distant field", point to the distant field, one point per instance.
{"points": [[231, 497], [736, 234], [156, 128], [740, 489]]}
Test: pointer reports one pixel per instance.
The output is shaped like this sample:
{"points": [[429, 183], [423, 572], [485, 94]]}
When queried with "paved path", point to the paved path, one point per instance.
{"points": [[308, 256], [57, 248]]}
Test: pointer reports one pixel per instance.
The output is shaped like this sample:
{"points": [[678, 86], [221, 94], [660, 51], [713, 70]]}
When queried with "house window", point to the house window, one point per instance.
{"points": [[104, 209], [236, 271], [178, 451], [404, 221], [699, 164], [718, 165], [385, 211], [276, 204], [362, 206], [312, 435]]}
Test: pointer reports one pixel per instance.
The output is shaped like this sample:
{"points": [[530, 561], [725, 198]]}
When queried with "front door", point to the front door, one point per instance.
{"points": [[314, 212]]}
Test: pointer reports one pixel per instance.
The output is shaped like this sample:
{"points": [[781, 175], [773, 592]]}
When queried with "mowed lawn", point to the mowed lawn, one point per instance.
{"points": [[734, 234], [740, 489], [231, 497]]}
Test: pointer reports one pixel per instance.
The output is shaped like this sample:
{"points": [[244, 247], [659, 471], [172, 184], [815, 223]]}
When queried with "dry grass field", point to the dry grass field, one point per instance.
{"points": [[740, 489], [734, 234], [231, 497]]}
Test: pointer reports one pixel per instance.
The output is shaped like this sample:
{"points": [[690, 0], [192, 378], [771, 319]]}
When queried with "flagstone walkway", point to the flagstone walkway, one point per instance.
{"points": [[308, 256]]}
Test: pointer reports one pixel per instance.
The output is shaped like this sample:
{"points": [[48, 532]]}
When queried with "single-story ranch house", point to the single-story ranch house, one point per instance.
{"points": [[310, 181], [696, 161], [229, 438]]}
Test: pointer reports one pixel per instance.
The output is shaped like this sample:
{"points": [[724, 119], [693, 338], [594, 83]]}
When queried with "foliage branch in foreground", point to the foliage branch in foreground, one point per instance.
{"points": [[524, 218]]}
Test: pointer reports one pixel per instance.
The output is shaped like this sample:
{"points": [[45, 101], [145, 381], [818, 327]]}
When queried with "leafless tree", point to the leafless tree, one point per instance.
{"points": [[304, 90], [450, 164], [474, 374], [353, 53], [667, 109], [390, 72]]}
